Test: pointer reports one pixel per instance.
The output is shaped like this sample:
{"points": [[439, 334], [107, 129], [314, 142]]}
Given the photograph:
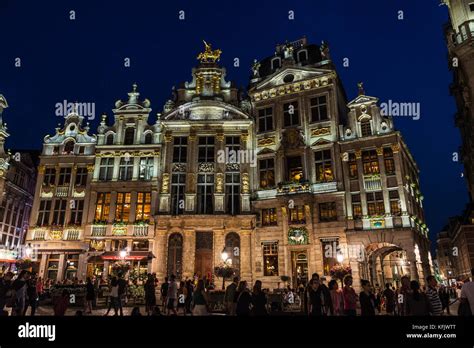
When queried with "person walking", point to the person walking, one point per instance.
{"points": [[244, 299], [350, 297], [467, 296], [200, 300], [164, 294], [444, 297], [113, 297], [5, 290], [417, 303], [366, 299], [259, 300], [122, 293], [90, 295], [172, 295], [389, 296], [32, 296], [189, 296], [19, 286], [402, 295], [337, 298], [230, 295], [433, 296], [182, 293], [150, 298], [319, 298]]}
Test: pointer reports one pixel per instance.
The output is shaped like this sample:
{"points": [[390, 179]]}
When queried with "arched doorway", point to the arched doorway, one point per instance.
{"points": [[175, 255], [387, 263], [232, 248]]}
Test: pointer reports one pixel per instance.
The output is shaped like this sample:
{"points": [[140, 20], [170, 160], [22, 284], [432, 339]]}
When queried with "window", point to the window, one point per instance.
{"points": [[270, 259], [395, 207], [206, 149], [330, 251], [296, 215], [267, 173], [178, 183], [125, 168], [276, 63], [81, 176], [265, 120], [129, 136], [81, 150], [294, 169], [302, 56], [49, 176], [205, 193], [77, 209], [370, 162], [146, 168], [365, 128], [327, 212], [118, 244], [269, 217], [388, 161], [290, 114], [232, 193], [148, 138], [233, 144], [43, 213], [471, 7], [69, 147], [109, 139], [64, 176], [319, 109], [102, 206], [175, 255], [143, 206], [375, 205], [353, 173], [122, 210], [59, 212], [323, 166], [106, 169], [356, 206], [180, 146]]}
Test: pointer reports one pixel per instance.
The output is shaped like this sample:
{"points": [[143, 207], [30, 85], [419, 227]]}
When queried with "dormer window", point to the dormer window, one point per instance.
{"points": [[302, 56], [471, 6], [129, 136], [110, 139], [69, 147], [365, 128], [276, 63], [148, 138]]}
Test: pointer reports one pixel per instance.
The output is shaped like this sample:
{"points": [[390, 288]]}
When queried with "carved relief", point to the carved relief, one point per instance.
{"points": [[245, 183], [320, 131], [165, 185]]}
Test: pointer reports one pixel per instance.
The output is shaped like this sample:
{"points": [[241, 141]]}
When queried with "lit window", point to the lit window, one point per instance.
{"points": [[269, 217], [143, 206], [267, 173], [270, 259], [365, 128], [296, 215], [370, 162], [375, 204], [102, 206], [327, 212], [323, 166], [122, 210]]}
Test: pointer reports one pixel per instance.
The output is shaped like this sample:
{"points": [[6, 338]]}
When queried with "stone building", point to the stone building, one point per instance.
{"points": [[459, 34], [17, 181], [286, 180]]}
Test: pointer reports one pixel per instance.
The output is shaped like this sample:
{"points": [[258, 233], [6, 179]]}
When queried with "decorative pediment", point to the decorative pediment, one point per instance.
{"points": [[265, 151], [320, 131], [363, 99], [290, 75], [321, 141], [205, 110]]}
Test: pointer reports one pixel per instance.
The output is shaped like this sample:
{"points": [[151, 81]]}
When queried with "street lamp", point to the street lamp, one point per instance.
{"points": [[224, 256], [123, 254], [340, 258], [28, 250]]}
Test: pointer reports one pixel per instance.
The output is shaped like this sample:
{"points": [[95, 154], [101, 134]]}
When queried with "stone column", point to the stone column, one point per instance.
{"points": [[61, 267], [246, 255], [189, 253], [160, 251]]}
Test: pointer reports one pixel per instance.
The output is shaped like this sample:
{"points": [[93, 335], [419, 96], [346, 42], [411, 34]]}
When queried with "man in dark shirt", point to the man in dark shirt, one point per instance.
{"points": [[366, 299], [122, 290], [319, 297], [5, 289], [164, 292]]}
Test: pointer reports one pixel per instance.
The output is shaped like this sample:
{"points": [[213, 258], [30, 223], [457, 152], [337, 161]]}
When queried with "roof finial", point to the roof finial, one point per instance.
{"points": [[360, 85], [134, 87]]}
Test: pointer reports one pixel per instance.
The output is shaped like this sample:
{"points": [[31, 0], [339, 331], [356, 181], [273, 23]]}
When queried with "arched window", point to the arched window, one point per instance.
{"points": [[110, 139], [302, 56], [129, 136], [232, 248], [175, 255], [365, 128], [276, 63], [148, 138], [69, 147]]}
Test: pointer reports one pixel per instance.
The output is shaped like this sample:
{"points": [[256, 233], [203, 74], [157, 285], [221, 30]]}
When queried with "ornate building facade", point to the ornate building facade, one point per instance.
{"points": [[17, 181], [459, 34], [288, 180]]}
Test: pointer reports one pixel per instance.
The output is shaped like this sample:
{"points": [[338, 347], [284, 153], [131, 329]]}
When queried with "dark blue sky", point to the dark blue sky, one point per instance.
{"points": [[83, 60]]}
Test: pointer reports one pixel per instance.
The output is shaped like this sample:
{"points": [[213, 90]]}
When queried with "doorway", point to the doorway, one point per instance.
{"points": [[300, 268], [204, 254]]}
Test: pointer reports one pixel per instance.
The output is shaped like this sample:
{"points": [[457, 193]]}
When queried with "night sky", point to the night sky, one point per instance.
{"points": [[83, 60]]}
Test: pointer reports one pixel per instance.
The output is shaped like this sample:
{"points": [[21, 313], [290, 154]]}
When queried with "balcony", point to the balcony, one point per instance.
{"points": [[72, 234], [324, 187], [372, 182], [39, 235], [99, 230], [140, 230], [465, 33], [293, 187]]}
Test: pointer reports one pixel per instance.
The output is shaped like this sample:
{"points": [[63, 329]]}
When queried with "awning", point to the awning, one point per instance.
{"points": [[8, 260], [131, 256]]}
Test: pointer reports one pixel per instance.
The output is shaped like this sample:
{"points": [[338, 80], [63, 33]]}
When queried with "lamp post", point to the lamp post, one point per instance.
{"points": [[225, 262]]}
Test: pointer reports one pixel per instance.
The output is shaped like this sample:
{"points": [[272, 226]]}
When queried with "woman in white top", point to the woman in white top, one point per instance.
{"points": [[114, 296]]}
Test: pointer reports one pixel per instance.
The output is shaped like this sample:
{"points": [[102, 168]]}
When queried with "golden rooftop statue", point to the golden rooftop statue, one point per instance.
{"points": [[209, 55]]}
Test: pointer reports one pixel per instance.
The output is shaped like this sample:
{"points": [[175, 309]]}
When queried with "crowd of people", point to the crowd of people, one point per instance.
{"points": [[192, 297]]}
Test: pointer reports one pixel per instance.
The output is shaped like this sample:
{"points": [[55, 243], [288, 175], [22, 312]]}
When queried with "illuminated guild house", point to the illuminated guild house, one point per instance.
{"points": [[62, 200], [17, 181], [335, 183]]}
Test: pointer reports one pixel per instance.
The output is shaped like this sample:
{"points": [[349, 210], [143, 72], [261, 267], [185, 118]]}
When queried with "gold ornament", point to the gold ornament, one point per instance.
{"points": [[209, 56]]}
